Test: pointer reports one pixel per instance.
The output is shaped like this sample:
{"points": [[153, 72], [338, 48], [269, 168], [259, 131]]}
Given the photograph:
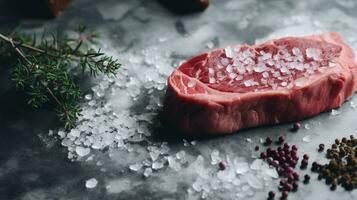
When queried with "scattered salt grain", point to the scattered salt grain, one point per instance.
{"points": [[91, 183], [135, 167], [352, 104], [335, 112], [249, 140], [307, 126], [157, 165], [307, 138], [88, 97], [147, 172], [215, 158], [82, 151]]}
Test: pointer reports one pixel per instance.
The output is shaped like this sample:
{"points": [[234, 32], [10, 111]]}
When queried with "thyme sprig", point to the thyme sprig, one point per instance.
{"points": [[43, 68]]}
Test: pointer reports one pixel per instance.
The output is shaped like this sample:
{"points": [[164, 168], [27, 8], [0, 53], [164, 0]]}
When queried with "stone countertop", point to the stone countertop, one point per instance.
{"points": [[120, 125]]}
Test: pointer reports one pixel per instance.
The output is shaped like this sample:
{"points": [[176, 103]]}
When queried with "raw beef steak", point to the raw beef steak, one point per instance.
{"points": [[244, 86]]}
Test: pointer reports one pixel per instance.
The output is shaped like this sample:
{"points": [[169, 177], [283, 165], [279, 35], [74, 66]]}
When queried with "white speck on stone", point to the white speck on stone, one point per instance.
{"points": [[147, 172], [135, 167], [82, 151], [91, 183], [307, 138], [61, 134], [173, 164], [88, 97], [307, 126], [157, 165], [335, 112], [215, 158], [352, 104], [241, 166], [249, 140], [257, 164]]}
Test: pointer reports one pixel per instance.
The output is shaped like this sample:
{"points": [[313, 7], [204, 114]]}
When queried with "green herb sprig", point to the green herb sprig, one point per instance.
{"points": [[42, 68]]}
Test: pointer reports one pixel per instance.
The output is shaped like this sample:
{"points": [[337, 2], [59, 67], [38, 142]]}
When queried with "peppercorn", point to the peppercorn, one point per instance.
{"points": [[304, 163], [306, 157], [268, 141], [295, 186], [306, 178], [256, 148], [321, 147], [344, 140], [333, 186], [271, 195], [296, 127], [337, 141], [263, 155], [281, 140], [222, 165], [285, 195]]}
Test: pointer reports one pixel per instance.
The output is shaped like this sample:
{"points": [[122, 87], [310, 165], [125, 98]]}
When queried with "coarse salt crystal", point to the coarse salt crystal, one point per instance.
{"points": [[229, 52], [313, 53], [296, 51], [191, 83], [260, 68], [239, 77], [265, 74], [224, 61], [91, 183], [229, 69]]}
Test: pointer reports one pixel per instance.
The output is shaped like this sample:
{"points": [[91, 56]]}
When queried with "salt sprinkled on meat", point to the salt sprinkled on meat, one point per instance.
{"points": [[229, 52], [313, 53]]}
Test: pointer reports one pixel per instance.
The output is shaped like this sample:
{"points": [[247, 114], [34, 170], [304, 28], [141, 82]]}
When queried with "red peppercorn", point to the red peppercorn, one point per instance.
{"points": [[295, 186], [294, 147], [306, 178], [304, 163], [268, 141], [263, 155], [296, 175], [285, 195], [288, 187], [306, 157], [286, 146], [291, 177], [281, 139], [256, 148], [271, 195], [296, 127]]}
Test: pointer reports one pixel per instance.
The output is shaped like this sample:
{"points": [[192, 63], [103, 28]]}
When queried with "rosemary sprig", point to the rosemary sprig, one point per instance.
{"points": [[42, 68]]}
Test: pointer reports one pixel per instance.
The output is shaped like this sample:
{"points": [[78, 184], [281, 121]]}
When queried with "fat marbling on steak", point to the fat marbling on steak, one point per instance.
{"points": [[244, 86]]}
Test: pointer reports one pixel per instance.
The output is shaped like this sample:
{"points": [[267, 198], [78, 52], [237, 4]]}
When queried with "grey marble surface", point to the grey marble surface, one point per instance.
{"points": [[150, 42]]}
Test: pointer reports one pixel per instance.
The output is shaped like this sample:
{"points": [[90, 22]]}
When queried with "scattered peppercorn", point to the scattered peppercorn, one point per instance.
{"points": [[268, 141], [256, 148], [341, 169], [271, 195], [285, 195], [263, 155], [306, 157], [295, 186], [306, 178], [321, 147], [296, 127], [281, 140], [222, 165]]}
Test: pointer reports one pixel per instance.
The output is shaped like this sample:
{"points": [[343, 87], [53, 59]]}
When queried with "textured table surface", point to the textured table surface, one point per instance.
{"points": [[120, 126]]}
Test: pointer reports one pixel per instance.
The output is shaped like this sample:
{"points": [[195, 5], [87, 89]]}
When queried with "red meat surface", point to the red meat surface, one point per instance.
{"points": [[242, 86]]}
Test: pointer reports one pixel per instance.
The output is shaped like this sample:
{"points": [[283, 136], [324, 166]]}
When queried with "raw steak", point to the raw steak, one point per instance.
{"points": [[244, 86]]}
